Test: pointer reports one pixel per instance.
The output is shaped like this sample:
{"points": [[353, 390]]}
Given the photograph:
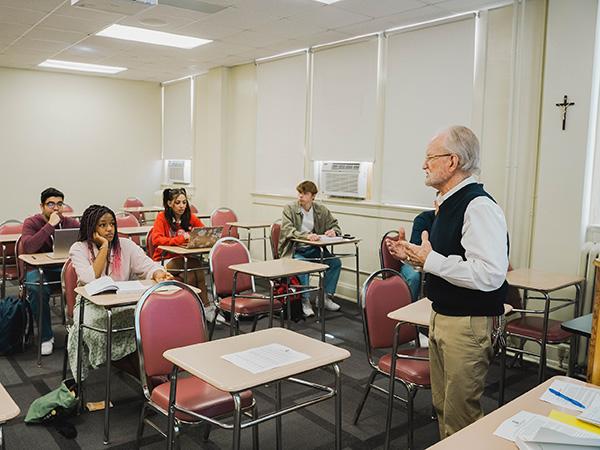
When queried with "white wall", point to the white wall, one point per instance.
{"points": [[96, 139]]}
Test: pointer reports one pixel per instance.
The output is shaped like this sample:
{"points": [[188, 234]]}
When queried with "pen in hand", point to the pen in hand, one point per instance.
{"points": [[566, 397]]}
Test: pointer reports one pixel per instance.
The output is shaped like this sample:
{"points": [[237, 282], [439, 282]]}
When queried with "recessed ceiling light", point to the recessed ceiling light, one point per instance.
{"points": [[328, 2], [152, 37], [82, 67]]}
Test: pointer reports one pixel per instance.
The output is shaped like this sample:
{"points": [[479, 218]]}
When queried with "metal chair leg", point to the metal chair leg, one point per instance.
{"points": [[206, 434], [255, 442], [360, 406], [140, 428], [409, 404]]}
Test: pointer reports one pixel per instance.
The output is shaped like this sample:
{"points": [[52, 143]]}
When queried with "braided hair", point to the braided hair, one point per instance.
{"points": [[170, 195], [87, 228]]}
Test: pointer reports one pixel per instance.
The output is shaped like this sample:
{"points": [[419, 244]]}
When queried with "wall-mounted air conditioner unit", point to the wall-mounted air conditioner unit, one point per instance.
{"points": [[344, 179], [178, 171]]}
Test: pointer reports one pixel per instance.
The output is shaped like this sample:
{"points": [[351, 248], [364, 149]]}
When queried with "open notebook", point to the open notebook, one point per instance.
{"points": [[106, 285]]}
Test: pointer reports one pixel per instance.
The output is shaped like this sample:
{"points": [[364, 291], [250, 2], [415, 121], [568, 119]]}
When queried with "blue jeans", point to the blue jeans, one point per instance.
{"points": [[332, 275], [32, 278], [413, 279]]}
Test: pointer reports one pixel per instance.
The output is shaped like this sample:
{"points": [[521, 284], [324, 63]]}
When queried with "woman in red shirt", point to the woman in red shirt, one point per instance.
{"points": [[172, 227]]}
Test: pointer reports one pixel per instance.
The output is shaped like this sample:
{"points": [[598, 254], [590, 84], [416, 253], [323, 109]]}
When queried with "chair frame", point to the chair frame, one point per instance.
{"points": [[275, 245], [175, 424], [66, 319], [8, 260], [230, 233], [411, 388], [234, 323]]}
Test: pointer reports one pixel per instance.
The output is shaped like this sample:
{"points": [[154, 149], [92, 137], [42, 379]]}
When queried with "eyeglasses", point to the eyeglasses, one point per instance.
{"points": [[432, 157], [51, 205]]}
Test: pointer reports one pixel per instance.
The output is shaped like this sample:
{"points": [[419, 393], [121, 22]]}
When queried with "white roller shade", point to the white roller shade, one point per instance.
{"points": [[281, 124], [429, 86], [344, 103], [177, 120]]}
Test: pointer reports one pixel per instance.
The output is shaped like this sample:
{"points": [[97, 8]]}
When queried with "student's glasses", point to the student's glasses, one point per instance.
{"points": [[52, 205], [433, 157]]}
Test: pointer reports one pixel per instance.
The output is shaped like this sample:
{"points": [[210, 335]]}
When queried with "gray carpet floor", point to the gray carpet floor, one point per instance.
{"points": [[309, 428]]}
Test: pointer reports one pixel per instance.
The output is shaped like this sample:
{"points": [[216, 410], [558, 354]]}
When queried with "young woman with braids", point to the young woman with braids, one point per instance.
{"points": [[99, 251], [172, 227]]}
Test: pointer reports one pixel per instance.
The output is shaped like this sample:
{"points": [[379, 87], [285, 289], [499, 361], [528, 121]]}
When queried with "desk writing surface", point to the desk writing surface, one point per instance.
{"points": [[580, 325], [482, 431], [4, 238], [8, 407], [41, 259], [249, 225], [204, 360], [326, 244], [142, 209], [277, 268], [116, 299], [135, 230], [73, 215], [182, 250], [539, 280]]}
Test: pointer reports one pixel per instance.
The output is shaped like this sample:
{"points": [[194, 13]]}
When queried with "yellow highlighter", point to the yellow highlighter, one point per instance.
{"points": [[574, 421]]}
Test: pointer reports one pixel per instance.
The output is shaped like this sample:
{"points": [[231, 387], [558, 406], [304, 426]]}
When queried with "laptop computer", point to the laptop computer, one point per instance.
{"points": [[204, 237], [63, 239]]}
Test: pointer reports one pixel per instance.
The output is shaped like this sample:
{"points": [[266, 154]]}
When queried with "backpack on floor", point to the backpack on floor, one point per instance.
{"points": [[16, 325], [293, 301]]}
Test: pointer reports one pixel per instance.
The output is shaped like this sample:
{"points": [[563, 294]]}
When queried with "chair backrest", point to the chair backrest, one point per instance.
{"points": [[68, 283], [128, 220], [166, 320], [149, 244], [220, 217], [383, 292], [11, 227], [134, 201], [20, 264], [226, 252], [386, 259], [67, 208], [275, 233]]}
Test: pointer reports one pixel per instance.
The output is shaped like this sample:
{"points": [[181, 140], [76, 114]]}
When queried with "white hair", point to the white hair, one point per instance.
{"points": [[463, 142]]}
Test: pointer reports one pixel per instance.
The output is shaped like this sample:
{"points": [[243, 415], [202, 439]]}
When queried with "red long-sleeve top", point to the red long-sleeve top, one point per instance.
{"points": [[162, 234]]}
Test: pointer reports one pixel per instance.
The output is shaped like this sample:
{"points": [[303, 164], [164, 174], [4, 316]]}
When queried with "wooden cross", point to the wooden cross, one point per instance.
{"points": [[563, 106]]}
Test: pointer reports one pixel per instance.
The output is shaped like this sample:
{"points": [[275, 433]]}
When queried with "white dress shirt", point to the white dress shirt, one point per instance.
{"points": [[484, 238]]}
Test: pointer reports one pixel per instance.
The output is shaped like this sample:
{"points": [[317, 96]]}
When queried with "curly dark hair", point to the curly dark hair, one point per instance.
{"points": [[170, 195], [88, 223]]}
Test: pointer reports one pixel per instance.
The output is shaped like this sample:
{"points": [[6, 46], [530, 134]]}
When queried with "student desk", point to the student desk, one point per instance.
{"points": [[205, 362], [546, 283], [417, 313], [276, 269], [5, 241], [249, 226], [40, 261], [73, 215], [580, 326], [135, 231], [142, 209], [481, 433], [108, 302], [8, 410], [322, 245], [185, 253]]}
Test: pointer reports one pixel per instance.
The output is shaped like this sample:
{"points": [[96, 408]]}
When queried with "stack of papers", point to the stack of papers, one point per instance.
{"points": [[330, 240], [591, 414], [535, 432], [570, 395], [267, 357], [107, 285]]}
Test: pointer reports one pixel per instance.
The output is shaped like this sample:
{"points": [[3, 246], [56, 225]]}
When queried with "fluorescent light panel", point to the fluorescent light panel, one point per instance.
{"points": [[82, 67], [152, 37], [327, 2]]}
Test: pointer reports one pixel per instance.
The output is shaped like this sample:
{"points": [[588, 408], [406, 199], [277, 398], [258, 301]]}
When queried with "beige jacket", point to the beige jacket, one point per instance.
{"points": [[291, 222]]}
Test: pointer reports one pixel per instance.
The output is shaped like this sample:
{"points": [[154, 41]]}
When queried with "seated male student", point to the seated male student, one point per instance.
{"points": [[307, 220], [37, 237], [423, 222]]}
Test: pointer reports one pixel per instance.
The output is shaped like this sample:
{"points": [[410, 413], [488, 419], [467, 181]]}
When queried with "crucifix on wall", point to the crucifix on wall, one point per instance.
{"points": [[563, 110]]}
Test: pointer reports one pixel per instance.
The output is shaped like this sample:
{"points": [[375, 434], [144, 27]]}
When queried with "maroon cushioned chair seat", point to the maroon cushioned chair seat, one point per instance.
{"points": [[11, 273], [249, 306], [197, 396], [412, 371], [533, 327]]}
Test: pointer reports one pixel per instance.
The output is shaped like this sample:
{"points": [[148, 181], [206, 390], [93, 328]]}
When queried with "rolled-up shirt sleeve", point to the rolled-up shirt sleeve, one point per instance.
{"points": [[484, 238]]}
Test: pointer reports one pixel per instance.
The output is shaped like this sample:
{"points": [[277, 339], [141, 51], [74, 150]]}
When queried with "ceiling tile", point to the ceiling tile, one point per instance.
{"points": [[329, 17], [87, 13], [240, 18], [11, 31], [458, 6], [19, 16], [252, 38], [279, 8], [68, 23], [51, 47], [44, 6], [290, 28], [53, 34], [378, 8]]}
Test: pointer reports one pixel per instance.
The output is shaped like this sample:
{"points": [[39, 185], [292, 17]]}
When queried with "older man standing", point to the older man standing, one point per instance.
{"points": [[465, 260]]}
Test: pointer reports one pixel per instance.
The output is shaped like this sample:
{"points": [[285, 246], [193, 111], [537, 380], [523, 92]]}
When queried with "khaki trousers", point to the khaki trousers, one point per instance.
{"points": [[460, 352]]}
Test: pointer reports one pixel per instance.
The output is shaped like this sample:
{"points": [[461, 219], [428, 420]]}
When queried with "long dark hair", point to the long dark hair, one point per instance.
{"points": [[170, 195], [88, 223]]}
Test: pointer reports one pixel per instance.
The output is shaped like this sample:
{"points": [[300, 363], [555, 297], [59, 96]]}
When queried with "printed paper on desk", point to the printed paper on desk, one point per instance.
{"points": [[591, 414], [330, 240], [267, 357], [582, 394], [126, 287]]}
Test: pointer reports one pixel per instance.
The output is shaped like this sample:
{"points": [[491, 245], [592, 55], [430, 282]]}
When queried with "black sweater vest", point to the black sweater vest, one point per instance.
{"points": [[445, 237]]}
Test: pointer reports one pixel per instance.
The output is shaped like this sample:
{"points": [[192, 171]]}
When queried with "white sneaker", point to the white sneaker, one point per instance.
{"points": [[47, 347], [307, 308], [330, 305], [209, 312]]}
